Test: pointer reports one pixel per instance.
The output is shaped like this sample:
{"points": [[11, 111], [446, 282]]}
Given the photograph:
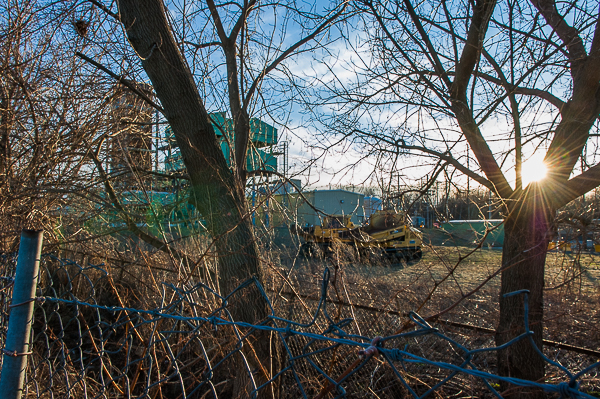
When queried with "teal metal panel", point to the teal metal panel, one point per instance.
{"points": [[226, 151], [469, 232], [261, 135], [260, 159], [221, 124]]}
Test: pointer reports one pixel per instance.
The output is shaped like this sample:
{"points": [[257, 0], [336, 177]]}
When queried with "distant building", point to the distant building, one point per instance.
{"points": [[130, 146], [331, 202], [281, 206], [280, 210], [371, 205]]}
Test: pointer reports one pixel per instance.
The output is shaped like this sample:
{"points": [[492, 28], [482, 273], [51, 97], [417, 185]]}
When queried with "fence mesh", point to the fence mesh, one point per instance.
{"points": [[97, 338]]}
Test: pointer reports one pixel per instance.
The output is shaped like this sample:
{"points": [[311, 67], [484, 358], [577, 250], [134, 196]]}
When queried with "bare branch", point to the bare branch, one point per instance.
{"points": [[580, 184], [400, 143], [568, 34], [125, 82], [289, 51], [200, 46], [104, 8]]}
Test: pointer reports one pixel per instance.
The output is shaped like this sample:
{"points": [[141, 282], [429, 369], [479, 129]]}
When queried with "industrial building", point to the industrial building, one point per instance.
{"points": [[262, 152], [331, 202], [278, 210], [284, 206], [130, 146]]}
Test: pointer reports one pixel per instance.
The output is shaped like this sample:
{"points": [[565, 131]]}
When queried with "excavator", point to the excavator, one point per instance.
{"points": [[387, 231]]}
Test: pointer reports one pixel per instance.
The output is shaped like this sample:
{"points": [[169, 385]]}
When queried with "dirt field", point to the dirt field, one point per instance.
{"points": [[460, 283]]}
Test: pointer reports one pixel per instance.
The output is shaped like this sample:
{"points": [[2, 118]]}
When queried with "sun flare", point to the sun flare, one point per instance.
{"points": [[533, 170]]}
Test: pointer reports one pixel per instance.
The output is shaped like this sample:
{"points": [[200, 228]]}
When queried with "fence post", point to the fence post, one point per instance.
{"points": [[14, 361]]}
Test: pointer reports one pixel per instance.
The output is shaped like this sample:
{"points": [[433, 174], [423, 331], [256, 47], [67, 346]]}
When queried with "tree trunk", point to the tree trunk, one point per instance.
{"points": [[217, 195], [527, 233], [219, 199]]}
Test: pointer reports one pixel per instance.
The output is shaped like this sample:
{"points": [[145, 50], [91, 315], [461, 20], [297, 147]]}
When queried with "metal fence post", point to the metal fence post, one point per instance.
{"points": [[14, 361]]}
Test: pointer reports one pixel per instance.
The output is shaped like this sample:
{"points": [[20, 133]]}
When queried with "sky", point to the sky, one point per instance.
{"points": [[307, 138]]}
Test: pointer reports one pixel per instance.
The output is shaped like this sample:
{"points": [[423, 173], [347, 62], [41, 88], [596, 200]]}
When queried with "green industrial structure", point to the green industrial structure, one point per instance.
{"points": [[471, 232], [262, 153], [162, 206]]}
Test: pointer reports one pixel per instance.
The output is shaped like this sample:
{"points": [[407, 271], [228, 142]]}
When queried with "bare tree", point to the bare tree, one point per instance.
{"points": [[49, 111], [505, 78], [217, 55], [218, 193]]}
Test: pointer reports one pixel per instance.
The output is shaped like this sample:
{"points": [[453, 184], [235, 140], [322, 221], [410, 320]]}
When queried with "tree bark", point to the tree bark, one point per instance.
{"points": [[527, 233]]}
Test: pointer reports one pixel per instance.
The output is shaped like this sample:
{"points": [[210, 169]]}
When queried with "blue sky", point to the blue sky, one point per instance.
{"points": [[280, 103]]}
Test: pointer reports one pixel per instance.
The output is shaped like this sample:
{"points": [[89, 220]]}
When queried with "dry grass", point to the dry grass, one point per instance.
{"points": [[450, 279], [381, 295]]}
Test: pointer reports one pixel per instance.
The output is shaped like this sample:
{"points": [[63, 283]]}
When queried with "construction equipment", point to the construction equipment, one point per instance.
{"points": [[387, 231]]}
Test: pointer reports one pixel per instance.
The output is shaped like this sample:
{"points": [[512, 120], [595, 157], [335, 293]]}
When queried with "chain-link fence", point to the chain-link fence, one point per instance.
{"points": [[100, 338]]}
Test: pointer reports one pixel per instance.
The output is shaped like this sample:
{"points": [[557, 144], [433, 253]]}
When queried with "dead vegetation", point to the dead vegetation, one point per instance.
{"points": [[88, 351], [457, 289]]}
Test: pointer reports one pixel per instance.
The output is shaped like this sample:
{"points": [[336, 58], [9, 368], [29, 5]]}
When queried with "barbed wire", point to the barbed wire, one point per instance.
{"points": [[185, 343]]}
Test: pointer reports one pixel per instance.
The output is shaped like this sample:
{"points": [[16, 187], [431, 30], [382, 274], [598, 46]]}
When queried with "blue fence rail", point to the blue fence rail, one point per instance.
{"points": [[89, 341]]}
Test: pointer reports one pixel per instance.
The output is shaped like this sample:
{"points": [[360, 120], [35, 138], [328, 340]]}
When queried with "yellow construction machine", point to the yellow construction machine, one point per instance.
{"points": [[388, 232]]}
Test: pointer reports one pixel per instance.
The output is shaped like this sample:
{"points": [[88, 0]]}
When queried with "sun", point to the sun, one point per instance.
{"points": [[534, 169]]}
